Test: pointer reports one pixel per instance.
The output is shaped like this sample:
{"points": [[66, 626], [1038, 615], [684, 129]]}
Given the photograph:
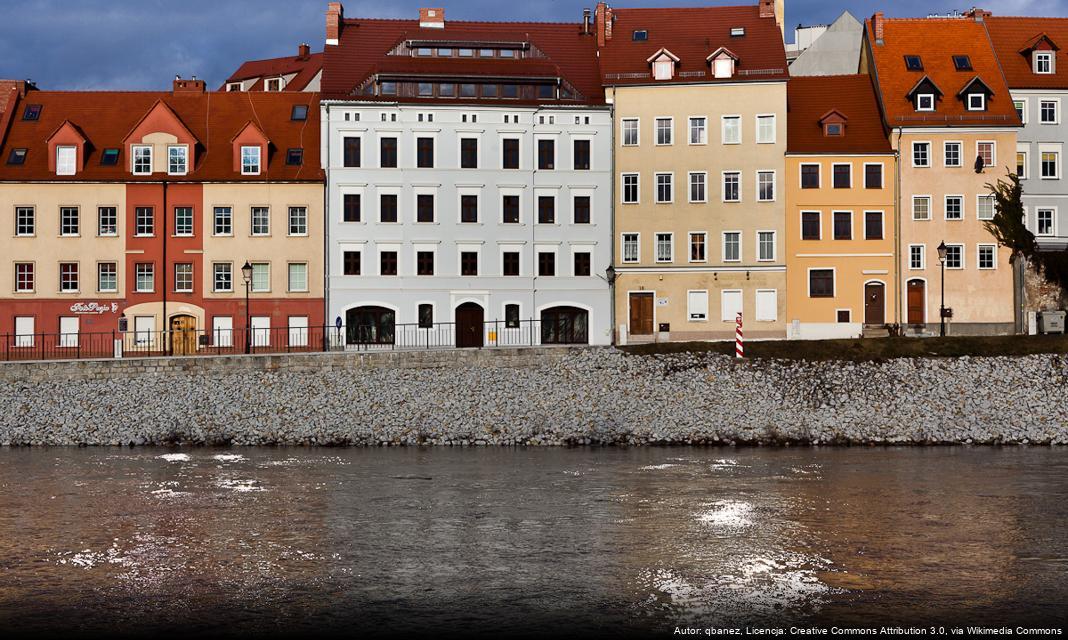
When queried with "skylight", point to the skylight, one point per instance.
{"points": [[295, 157], [109, 157], [737, 31], [962, 63], [32, 112], [300, 112], [913, 63], [639, 35], [17, 156]]}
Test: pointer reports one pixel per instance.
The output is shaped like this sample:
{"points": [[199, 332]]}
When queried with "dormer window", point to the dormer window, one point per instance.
{"points": [[142, 160], [639, 35], [66, 160], [234, 86], [913, 63], [1043, 61], [976, 102], [833, 123], [663, 62], [250, 161], [177, 160], [962, 63], [272, 84], [722, 61], [833, 129], [925, 102]]}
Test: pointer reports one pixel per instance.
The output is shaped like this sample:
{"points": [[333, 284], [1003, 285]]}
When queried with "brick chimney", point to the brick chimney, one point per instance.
{"points": [[979, 15], [303, 51], [335, 14], [432, 18], [188, 86], [877, 24], [767, 8], [602, 19]]}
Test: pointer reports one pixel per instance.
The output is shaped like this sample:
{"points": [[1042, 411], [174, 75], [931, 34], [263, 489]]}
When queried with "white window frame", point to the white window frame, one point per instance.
{"points": [[915, 145], [66, 165], [882, 174], [637, 247], [724, 119], [694, 313], [993, 152], [671, 247], [298, 331], [215, 277], [972, 106], [774, 317], [801, 174], [925, 98], [923, 257], [215, 210], [774, 185], [848, 165], [623, 188], [69, 328], [801, 224], [222, 331], [99, 268], [184, 289], [979, 199], [1023, 111], [978, 256], [252, 283], [623, 122], [671, 131], [1052, 223], [25, 331], [774, 247], [1039, 58], [724, 316], [670, 187], [1026, 151], [1056, 102], [689, 246], [508, 247], [1055, 149], [774, 124], [963, 256], [289, 277], [723, 245], [145, 151], [929, 200], [834, 214], [252, 221], [703, 138], [246, 169], [723, 186], [945, 209], [864, 224], [834, 281], [183, 156], [690, 186], [149, 271]]}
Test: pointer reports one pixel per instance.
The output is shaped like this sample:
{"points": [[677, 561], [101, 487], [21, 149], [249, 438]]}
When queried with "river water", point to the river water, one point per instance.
{"points": [[508, 541]]}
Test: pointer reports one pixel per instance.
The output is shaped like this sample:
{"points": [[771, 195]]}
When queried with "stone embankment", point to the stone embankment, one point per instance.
{"points": [[562, 396]]}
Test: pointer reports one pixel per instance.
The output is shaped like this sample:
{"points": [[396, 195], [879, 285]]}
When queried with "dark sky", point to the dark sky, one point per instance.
{"points": [[142, 44]]}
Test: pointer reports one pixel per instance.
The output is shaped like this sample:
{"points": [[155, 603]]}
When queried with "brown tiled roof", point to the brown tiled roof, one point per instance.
{"points": [[106, 118], [1012, 35], [692, 34], [364, 44], [810, 98], [936, 41], [304, 68]]}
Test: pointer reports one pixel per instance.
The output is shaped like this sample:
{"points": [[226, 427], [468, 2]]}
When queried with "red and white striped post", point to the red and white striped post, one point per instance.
{"points": [[739, 342]]}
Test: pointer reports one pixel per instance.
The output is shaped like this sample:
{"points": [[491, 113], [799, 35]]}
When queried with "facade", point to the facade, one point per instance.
{"points": [[841, 223], [834, 51], [953, 123], [699, 159], [145, 206], [469, 182], [303, 72]]}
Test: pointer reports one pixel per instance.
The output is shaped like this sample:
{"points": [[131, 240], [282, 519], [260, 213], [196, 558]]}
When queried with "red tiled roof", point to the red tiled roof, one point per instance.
{"points": [[304, 68], [106, 118], [810, 98], [692, 34], [936, 41], [364, 44], [1011, 35]]}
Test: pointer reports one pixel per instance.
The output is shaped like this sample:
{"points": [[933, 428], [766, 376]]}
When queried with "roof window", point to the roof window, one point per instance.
{"points": [[17, 156], [639, 35], [300, 112], [962, 63], [913, 63], [295, 157], [109, 157], [737, 32], [32, 112]]}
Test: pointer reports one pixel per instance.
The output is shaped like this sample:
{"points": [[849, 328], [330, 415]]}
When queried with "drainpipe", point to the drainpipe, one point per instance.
{"points": [[534, 220], [612, 217], [897, 235], [166, 324], [326, 232]]}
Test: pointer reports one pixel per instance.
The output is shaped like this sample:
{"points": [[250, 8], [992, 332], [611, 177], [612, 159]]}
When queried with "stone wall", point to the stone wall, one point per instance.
{"points": [[533, 396]]}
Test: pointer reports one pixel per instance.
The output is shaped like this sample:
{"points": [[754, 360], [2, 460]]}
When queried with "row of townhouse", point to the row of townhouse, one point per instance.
{"points": [[642, 174]]}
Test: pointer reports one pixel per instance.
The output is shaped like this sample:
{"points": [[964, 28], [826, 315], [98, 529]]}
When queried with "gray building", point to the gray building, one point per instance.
{"points": [[834, 51]]}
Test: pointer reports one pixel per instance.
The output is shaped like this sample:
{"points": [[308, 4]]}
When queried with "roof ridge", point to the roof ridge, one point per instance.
{"points": [[416, 21]]}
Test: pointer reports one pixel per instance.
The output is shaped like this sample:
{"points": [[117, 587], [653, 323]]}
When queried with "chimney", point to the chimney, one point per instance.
{"points": [[303, 51], [433, 18], [188, 86], [877, 22], [977, 14], [767, 8], [335, 14], [585, 22], [598, 22]]}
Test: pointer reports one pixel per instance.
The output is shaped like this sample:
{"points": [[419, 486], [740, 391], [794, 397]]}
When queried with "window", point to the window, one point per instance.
{"points": [[821, 283], [698, 130], [68, 331], [664, 247], [66, 160], [426, 89], [986, 256], [843, 225], [842, 176], [810, 225], [468, 153], [730, 304], [962, 63], [954, 207], [387, 207], [976, 102], [630, 188], [424, 207], [581, 209], [17, 156], [985, 150], [261, 277], [665, 188], [765, 246], [142, 160], [765, 186], [298, 276], [510, 153], [510, 209], [1050, 165], [732, 129], [925, 102], [24, 331], [1044, 220], [732, 187], [732, 246], [832, 129], [426, 315], [1021, 110], [24, 277], [183, 277], [272, 84], [250, 161], [580, 157], [298, 331], [546, 155], [951, 154], [664, 131], [469, 263], [1043, 61], [222, 277], [873, 176], [954, 256], [546, 209], [913, 63], [424, 153], [921, 207], [1047, 111], [630, 131], [144, 330], [921, 154], [350, 207], [697, 247], [224, 221], [387, 152], [350, 147], [144, 221], [697, 305], [873, 225], [222, 328], [24, 221], [298, 221], [68, 221], [468, 208], [1021, 164], [32, 112], [350, 263], [916, 256], [107, 221], [697, 186], [510, 263], [299, 112], [546, 263], [177, 160], [766, 129], [985, 208], [639, 35], [581, 263], [630, 247], [68, 277], [810, 176], [261, 221]]}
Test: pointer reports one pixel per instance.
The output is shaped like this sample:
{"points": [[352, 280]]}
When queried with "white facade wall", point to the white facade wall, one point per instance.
{"points": [[447, 236]]}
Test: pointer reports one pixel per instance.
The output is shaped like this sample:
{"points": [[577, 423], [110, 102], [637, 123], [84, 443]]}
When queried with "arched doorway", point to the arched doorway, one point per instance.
{"points": [[917, 301], [874, 303], [470, 317], [369, 325], [183, 335], [565, 325]]}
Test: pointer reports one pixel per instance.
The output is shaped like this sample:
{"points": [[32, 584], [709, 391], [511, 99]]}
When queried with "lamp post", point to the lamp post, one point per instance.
{"points": [[942, 305], [246, 274]]}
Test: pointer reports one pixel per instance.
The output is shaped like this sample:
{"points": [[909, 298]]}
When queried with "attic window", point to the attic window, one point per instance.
{"points": [[925, 102], [976, 102], [737, 32], [1043, 62], [32, 112], [295, 157], [962, 63], [913, 63], [233, 86], [17, 156], [300, 112], [272, 84], [833, 129], [109, 157], [639, 35]]}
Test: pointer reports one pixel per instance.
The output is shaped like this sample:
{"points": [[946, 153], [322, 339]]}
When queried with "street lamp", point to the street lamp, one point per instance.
{"points": [[942, 306], [246, 274]]}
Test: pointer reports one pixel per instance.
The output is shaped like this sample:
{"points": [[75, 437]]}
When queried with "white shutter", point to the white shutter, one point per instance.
{"points": [[767, 303], [697, 305], [261, 331], [222, 328], [144, 328], [730, 304], [24, 331], [298, 331], [68, 331], [66, 161]]}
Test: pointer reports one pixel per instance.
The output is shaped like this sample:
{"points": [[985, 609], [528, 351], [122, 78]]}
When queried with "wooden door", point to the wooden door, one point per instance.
{"points": [[874, 303], [469, 325], [641, 314], [183, 335], [917, 296]]}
